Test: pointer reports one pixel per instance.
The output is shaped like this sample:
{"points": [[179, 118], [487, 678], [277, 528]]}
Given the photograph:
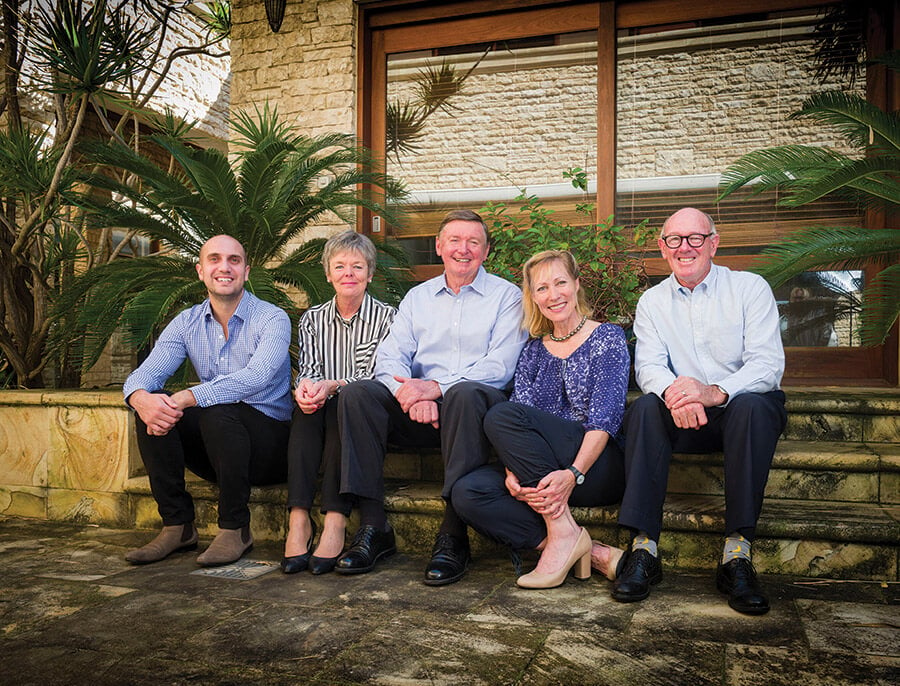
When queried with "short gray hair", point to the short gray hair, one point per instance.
{"points": [[351, 241]]}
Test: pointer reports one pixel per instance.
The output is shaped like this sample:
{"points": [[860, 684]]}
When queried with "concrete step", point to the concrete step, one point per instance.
{"points": [[801, 470], [831, 539]]}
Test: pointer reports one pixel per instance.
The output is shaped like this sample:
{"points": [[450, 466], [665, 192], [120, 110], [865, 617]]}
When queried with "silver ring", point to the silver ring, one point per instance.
{"points": [[684, 393]]}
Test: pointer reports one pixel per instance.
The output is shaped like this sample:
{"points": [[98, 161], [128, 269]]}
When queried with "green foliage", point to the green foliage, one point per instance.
{"points": [[803, 174], [265, 196], [609, 255]]}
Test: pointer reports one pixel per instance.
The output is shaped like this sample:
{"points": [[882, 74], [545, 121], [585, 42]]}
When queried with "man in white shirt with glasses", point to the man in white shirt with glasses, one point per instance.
{"points": [[709, 359]]}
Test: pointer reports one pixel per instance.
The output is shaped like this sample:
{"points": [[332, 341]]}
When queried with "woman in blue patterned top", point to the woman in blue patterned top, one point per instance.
{"points": [[556, 436], [337, 345]]}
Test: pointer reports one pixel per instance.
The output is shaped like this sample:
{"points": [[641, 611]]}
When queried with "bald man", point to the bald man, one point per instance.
{"points": [[232, 427], [709, 359]]}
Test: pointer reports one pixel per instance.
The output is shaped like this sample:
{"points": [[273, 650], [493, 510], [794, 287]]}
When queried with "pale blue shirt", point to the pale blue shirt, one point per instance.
{"points": [[252, 366], [442, 336], [724, 332]]}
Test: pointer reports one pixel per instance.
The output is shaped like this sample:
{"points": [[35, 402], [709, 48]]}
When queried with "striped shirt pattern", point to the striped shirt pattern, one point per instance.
{"points": [[251, 366], [332, 347]]}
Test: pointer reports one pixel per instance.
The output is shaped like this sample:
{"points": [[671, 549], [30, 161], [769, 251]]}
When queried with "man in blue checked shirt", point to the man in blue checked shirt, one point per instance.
{"points": [[231, 428]]}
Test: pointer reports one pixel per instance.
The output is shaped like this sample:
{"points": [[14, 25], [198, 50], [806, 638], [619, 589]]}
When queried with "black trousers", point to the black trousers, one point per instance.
{"points": [[315, 443], [370, 418], [233, 445], [746, 430], [531, 443]]}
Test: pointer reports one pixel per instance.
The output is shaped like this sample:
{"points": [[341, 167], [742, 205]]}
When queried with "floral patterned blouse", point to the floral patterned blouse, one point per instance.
{"points": [[588, 386]]}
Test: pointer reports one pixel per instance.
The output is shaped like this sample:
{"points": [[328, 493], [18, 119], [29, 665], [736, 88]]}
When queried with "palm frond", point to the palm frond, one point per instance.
{"points": [[881, 306], [859, 121], [778, 167], [827, 247], [874, 178]]}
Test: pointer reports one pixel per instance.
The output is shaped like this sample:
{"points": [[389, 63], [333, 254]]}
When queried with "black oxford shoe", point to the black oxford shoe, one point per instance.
{"points": [[369, 545], [449, 559], [641, 571], [737, 579]]}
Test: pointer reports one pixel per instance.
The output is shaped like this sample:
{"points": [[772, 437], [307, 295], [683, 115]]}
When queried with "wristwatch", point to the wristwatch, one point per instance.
{"points": [[579, 477], [723, 392]]}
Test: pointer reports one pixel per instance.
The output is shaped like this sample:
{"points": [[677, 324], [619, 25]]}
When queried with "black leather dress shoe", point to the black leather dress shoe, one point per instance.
{"points": [[369, 545], [641, 570], [322, 565], [737, 579], [449, 559]]}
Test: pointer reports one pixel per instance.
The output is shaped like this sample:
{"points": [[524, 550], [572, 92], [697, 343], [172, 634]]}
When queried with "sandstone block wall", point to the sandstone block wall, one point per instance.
{"points": [[307, 70]]}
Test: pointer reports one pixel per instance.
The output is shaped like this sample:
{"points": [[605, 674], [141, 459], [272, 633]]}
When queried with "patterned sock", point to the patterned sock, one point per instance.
{"points": [[643, 542], [735, 546]]}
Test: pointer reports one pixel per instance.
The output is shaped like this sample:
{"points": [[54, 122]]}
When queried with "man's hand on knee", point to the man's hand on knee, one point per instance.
{"points": [[425, 412], [690, 416], [412, 391], [158, 411]]}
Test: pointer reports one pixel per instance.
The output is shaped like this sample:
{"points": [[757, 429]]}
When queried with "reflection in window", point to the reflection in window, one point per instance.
{"points": [[820, 308]]}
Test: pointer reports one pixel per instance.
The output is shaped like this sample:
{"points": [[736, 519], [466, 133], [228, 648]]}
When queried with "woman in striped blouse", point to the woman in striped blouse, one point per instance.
{"points": [[337, 345]]}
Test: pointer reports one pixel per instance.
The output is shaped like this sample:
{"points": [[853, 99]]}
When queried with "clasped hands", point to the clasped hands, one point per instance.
{"points": [[418, 398], [687, 400], [159, 411], [549, 497], [311, 395]]}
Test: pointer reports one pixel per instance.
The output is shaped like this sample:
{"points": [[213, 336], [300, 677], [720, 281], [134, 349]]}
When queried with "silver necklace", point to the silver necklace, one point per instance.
{"points": [[569, 335]]}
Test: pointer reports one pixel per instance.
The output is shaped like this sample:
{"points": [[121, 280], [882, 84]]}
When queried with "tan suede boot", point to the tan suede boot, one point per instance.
{"points": [[228, 546], [170, 540]]}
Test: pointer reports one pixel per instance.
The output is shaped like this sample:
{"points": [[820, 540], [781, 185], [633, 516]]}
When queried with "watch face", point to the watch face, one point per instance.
{"points": [[579, 479]]}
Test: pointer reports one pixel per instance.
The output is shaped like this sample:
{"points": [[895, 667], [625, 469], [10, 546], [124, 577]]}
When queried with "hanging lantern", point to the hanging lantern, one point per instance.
{"points": [[275, 13]]}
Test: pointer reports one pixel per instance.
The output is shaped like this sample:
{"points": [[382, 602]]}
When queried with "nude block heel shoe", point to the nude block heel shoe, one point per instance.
{"points": [[579, 560], [614, 561]]}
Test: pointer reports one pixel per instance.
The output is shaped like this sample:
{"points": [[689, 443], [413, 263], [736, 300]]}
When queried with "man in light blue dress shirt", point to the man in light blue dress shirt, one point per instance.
{"points": [[231, 428], [710, 360], [450, 356]]}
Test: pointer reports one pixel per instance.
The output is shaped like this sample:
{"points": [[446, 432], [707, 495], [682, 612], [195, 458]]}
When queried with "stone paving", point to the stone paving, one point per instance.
{"points": [[73, 612]]}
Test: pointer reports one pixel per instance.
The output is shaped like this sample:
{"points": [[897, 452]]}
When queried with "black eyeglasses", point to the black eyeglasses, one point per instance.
{"points": [[695, 240]]}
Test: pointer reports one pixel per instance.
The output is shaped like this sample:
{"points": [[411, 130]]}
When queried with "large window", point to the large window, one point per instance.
{"points": [[654, 99]]}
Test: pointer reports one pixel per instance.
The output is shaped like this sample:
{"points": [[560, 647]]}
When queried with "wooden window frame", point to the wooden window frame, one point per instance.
{"points": [[392, 26]]}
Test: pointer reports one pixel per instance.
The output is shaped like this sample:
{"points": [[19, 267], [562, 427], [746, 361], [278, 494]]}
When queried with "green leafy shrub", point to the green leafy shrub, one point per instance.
{"points": [[610, 255]]}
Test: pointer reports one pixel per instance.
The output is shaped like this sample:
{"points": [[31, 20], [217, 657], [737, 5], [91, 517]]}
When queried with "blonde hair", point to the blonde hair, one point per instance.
{"points": [[533, 321]]}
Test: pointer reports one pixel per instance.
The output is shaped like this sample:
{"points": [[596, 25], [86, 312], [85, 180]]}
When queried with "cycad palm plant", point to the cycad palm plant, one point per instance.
{"points": [[806, 173], [277, 184]]}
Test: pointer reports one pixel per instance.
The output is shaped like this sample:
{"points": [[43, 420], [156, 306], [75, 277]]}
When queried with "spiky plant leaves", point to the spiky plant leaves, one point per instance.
{"points": [[803, 174], [860, 122], [881, 306], [265, 197]]}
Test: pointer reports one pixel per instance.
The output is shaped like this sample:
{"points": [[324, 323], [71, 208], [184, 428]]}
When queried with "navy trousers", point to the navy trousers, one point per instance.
{"points": [[746, 430], [531, 443]]}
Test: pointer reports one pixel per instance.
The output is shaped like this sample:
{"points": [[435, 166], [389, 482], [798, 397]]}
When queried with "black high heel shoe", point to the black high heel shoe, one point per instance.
{"points": [[322, 565], [297, 563]]}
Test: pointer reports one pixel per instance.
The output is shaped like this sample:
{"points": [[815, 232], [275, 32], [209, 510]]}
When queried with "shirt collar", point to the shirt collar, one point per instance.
{"points": [[364, 312], [479, 285], [242, 312], [709, 281]]}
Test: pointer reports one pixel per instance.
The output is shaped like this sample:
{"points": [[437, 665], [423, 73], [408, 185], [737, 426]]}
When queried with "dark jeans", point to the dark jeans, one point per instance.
{"points": [[531, 443], [370, 418], [316, 442], [234, 445], [746, 430]]}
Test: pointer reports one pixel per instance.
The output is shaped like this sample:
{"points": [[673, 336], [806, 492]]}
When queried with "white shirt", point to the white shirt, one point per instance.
{"points": [[724, 332]]}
